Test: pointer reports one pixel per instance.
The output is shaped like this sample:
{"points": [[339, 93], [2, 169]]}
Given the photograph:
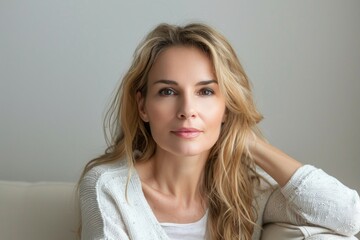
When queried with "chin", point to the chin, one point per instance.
{"points": [[192, 152]]}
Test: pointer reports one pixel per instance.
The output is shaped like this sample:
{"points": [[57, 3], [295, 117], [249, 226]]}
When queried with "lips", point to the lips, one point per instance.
{"points": [[187, 132]]}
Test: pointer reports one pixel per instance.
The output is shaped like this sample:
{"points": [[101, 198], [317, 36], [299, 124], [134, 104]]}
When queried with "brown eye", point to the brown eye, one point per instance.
{"points": [[206, 92], [167, 92]]}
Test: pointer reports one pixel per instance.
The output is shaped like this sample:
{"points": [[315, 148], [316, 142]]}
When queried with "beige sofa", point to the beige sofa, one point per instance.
{"points": [[47, 211], [41, 211]]}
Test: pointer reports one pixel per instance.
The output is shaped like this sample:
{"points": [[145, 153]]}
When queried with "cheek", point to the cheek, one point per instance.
{"points": [[214, 113], [158, 112]]}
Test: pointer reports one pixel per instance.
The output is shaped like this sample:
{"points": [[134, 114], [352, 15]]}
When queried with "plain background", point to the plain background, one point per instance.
{"points": [[61, 59]]}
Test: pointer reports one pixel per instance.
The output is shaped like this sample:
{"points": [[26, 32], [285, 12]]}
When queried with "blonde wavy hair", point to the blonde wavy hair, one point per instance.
{"points": [[230, 176]]}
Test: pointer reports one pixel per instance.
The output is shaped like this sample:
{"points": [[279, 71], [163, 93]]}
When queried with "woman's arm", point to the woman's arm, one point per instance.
{"points": [[99, 216], [273, 161], [308, 196]]}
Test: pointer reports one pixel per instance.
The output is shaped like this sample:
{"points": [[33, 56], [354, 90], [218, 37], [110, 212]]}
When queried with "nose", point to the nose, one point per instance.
{"points": [[186, 108], [186, 115]]}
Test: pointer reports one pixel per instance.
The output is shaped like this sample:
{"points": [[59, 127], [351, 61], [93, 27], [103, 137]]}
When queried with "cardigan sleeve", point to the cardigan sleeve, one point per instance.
{"points": [[312, 197], [99, 216]]}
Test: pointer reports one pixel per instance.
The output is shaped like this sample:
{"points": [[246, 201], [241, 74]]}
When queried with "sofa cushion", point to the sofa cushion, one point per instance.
{"points": [[44, 210]]}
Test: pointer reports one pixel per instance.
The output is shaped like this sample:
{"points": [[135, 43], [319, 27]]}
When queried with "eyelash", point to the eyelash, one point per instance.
{"points": [[163, 90], [202, 92], [209, 90]]}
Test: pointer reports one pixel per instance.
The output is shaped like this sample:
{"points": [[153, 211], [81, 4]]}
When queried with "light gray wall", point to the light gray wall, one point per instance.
{"points": [[60, 61]]}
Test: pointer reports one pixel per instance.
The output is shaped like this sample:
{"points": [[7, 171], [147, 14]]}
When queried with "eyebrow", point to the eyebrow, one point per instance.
{"points": [[171, 82]]}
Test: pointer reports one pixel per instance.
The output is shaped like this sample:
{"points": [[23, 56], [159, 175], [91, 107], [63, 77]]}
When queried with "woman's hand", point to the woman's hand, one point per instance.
{"points": [[275, 162]]}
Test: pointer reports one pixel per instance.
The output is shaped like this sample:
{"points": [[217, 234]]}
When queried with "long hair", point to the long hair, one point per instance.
{"points": [[230, 176]]}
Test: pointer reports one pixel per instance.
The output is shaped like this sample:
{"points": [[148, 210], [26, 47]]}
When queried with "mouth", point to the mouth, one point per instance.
{"points": [[187, 132]]}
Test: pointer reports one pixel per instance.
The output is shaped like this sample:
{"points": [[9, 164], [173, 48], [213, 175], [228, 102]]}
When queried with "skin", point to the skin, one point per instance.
{"points": [[185, 109]]}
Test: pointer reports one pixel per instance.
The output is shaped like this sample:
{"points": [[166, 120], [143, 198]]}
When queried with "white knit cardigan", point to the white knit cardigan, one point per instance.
{"points": [[310, 198]]}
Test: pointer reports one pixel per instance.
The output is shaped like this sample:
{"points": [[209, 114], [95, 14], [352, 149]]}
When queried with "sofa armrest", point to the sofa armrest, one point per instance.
{"points": [[284, 231]]}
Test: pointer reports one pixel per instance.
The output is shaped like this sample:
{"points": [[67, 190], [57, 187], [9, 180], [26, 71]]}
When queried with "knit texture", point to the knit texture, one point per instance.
{"points": [[311, 199]]}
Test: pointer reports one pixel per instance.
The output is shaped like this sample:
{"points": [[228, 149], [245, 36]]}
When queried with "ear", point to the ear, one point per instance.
{"points": [[141, 107]]}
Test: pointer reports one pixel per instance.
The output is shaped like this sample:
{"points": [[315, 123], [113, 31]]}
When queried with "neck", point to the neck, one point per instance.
{"points": [[179, 177]]}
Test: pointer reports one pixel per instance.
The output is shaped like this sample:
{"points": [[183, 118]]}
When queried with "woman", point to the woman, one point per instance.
{"points": [[186, 160]]}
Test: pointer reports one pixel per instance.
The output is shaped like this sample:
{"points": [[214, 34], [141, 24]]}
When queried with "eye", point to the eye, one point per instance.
{"points": [[167, 92], [206, 92]]}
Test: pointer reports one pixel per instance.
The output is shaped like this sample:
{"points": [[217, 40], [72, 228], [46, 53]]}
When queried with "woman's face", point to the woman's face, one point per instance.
{"points": [[183, 104]]}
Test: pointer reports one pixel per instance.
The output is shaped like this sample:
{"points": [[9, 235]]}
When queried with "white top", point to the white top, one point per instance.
{"points": [[188, 231], [311, 197]]}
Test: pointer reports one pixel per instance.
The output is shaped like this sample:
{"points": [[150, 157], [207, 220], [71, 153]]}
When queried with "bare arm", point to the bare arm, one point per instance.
{"points": [[275, 162]]}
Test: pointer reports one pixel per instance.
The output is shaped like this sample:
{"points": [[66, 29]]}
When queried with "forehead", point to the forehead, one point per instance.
{"points": [[180, 63]]}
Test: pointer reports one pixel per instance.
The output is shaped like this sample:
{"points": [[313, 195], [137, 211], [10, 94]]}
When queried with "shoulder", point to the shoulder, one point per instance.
{"points": [[100, 197], [99, 176]]}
